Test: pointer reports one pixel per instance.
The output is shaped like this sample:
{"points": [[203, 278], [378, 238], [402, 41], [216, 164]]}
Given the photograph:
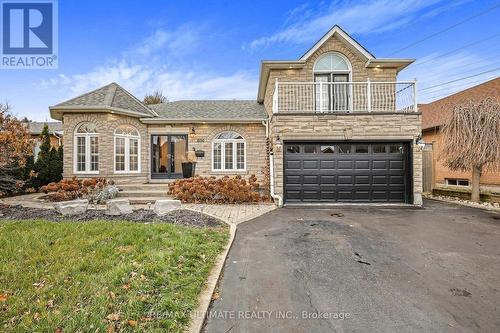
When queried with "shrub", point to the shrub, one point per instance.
{"points": [[217, 190], [96, 190]]}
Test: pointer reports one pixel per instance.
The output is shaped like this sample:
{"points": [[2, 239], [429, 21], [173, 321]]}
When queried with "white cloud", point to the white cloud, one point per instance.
{"points": [[357, 17], [152, 64]]}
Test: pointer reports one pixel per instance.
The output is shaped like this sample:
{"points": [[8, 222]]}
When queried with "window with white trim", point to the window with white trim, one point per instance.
{"points": [[229, 152], [86, 149], [127, 141]]}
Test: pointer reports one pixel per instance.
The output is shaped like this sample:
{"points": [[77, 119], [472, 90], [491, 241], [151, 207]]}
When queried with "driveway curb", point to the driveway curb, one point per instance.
{"points": [[488, 208], [205, 298]]}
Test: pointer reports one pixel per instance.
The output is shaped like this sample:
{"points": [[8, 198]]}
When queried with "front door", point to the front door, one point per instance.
{"points": [[168, 151]]}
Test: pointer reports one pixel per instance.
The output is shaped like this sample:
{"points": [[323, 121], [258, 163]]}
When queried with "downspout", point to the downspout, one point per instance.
{"points": [[271, 171]]}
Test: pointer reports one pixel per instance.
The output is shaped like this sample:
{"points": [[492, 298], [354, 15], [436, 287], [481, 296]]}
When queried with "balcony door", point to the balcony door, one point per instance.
{"points": [[334, 92], [167, 154]]}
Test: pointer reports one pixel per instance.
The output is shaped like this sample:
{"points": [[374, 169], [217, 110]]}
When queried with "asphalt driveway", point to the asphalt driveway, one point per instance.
{"points": [[363, 270]]}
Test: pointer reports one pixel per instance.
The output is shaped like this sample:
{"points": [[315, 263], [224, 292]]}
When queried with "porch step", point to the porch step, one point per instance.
{"points": [[143, 187], [158, 193], [145, 200]]}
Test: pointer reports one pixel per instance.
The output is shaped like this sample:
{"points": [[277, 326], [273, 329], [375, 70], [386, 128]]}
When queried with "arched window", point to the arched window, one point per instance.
{"points": [[228, 152], [127, 148], [332, 62], [332, 72], [86, 151]]}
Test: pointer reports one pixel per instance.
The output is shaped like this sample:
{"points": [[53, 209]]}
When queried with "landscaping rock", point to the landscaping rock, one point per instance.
{"points": [[163, 207], [118, 207], [73, 207]]}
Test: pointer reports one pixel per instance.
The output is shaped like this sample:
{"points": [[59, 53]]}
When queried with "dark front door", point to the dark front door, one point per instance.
{"points": [[347, 172], [167, 154]]}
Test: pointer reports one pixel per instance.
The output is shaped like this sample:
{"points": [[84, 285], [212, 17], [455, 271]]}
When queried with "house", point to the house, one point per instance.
{"points": [[55, 131], [433, 117], [333, 126]]}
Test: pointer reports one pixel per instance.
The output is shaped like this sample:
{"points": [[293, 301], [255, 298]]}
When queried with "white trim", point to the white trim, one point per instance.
{"points": [[346, 37], [127, 139], [88, 156], [235, 154]]}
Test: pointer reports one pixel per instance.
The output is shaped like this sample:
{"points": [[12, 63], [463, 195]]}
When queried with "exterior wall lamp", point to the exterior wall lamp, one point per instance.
{"points": [[192, 133]]}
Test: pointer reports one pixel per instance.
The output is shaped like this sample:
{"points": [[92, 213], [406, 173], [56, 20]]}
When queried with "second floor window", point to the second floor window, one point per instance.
{"points": [[333, 71]]}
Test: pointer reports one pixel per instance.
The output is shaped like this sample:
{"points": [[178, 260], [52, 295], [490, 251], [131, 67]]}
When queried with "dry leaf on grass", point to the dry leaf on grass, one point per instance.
{"points": [[132, 323], [4, 297], [113, 317]]}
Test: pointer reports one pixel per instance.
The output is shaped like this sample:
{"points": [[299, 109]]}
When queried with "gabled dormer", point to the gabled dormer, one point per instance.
{"points": [[337, 74]]}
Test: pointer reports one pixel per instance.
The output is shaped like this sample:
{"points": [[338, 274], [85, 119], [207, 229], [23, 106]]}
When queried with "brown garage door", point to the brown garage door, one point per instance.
{"points": [[346, 172]]}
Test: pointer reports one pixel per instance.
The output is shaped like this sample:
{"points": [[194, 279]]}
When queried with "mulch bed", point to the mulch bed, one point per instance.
{"points": [[180, 217]]}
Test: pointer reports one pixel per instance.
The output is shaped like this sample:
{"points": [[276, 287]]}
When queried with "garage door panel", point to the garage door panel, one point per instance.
{"points": [[344, 179], [379, 165], [327, 179], [310, 164], [293, 164], [327, 164], [359, 176], [362, 165], [310, 179], [344, 165]]}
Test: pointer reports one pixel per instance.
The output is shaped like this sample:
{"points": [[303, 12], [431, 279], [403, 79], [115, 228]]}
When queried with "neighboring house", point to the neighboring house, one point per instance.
{"points": [[339, 127], [55, 130], [433, 117]]}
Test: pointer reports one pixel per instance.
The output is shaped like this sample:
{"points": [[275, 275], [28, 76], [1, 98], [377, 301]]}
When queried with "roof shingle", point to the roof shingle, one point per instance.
{"points": [[109, 96], [211, 110], [435, 113]]}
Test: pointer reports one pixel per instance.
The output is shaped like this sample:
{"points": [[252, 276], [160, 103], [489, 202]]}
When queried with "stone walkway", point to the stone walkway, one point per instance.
{"points": [[230, 213]]}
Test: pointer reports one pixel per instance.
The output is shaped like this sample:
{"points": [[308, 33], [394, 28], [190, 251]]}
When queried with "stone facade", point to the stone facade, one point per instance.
{"points": [[254, 135], [106, 124], [352, 127], [365, 126]]}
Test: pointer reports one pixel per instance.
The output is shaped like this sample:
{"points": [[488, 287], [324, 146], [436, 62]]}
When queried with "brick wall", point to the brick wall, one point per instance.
{"points": [[441, 172], [392, 127], [305, 74], [106, 124], [333, 127], [254, 134]]}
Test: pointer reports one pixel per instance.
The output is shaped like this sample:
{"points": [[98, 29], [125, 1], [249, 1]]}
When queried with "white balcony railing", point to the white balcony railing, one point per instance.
{"points": [[344, 97]]}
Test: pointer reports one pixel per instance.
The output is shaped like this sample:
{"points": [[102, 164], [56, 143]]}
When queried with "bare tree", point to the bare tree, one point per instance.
{"points": [[155, 98], [472, 139]]}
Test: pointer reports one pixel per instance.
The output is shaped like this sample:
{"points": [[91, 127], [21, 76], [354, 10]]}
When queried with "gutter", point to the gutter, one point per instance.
{"points": [[271, 170], [197, 121]]}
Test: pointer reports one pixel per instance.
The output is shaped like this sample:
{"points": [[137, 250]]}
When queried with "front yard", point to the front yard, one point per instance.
{"points": [[102, 276]]}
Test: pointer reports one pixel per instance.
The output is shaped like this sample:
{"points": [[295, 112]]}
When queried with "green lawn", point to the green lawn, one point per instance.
{"points": [[102, 276]]}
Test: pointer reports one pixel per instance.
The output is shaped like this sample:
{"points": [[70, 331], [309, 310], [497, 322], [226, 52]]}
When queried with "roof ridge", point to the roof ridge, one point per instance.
{"points": [[82, 95], [110, 94], [145, 107]]}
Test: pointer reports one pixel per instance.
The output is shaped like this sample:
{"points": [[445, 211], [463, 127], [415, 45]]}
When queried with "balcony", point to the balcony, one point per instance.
{"points": [[345, 97]]}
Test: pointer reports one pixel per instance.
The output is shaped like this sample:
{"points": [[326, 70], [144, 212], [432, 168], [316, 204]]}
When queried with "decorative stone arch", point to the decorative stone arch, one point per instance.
{"points": [[241, 131], [220, 166]]}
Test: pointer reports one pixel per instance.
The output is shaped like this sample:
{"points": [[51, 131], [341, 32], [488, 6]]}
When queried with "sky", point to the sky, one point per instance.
{"points": [[212, 49]]}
